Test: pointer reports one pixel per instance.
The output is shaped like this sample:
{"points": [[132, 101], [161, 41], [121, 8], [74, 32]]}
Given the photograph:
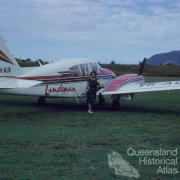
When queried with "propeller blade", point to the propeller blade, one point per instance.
{"points": [[142, 64]]}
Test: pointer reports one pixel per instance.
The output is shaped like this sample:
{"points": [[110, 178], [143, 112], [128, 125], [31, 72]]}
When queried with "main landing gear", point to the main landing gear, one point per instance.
{"points": [[41, 101], [116, 102]]}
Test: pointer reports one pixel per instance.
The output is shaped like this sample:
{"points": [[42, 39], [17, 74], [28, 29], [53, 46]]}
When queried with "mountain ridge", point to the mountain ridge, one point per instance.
{"points": [[167, 58]]}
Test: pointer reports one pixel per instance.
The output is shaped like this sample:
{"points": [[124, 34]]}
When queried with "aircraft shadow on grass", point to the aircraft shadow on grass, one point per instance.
{"points": [[67, 106]]}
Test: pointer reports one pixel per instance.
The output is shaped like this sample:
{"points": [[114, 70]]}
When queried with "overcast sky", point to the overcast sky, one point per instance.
{"points": [[124, 30]]}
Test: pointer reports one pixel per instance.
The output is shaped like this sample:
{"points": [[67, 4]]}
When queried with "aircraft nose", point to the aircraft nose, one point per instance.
{"points": [[111, 72], [108, 72]]}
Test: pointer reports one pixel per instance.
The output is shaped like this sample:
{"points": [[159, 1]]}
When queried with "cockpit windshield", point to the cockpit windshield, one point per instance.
{"points": [[94, 67]]}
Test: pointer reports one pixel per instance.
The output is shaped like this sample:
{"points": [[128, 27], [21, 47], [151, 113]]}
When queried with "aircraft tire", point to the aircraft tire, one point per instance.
{"points": [[116, 102], [41, 101], [101, 101]]}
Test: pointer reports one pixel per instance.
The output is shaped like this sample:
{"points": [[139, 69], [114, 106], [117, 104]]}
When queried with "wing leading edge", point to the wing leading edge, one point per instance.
{"points": [[144, 87]]}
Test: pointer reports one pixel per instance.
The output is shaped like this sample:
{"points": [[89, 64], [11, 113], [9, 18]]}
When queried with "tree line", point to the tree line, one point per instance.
{"points": [[119, 69]]}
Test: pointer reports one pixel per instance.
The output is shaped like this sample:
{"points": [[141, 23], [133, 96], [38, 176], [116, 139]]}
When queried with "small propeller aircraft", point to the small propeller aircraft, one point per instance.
{"points": [[68, 78]]}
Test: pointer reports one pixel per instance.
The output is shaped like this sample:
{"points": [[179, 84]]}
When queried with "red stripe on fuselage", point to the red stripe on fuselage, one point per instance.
{"points": [[56, 77]]}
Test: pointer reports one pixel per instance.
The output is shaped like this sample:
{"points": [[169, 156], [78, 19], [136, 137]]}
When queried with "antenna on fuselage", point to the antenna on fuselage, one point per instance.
{"points": [[142, 64]]}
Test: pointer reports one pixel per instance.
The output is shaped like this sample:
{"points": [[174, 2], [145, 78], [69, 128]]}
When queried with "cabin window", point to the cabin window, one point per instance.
{"points": [[90, 67], [75, 70], [87, 69], [93, 67], [83, 69]]}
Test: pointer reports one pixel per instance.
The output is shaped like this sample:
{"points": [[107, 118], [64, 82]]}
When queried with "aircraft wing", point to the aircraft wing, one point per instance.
{"points": [[10, 83], [144, 87]]}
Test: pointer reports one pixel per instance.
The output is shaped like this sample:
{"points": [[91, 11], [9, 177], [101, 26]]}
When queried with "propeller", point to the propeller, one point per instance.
{"points": [[142, 64]]}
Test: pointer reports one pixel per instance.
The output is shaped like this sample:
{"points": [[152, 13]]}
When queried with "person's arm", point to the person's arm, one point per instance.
{"points": [[100, 85], [87, 87]]}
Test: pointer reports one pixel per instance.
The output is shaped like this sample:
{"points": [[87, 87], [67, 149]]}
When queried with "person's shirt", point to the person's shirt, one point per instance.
{"points": [[93, 84]]}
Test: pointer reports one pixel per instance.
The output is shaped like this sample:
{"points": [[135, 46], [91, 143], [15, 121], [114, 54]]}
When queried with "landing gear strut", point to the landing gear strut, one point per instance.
{"points": [[41, 101], [101, 100], [116, 102]]}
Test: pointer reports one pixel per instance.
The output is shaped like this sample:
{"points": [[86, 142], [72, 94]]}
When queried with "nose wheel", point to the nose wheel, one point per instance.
{"points": [[41, 101], [116, 102]]}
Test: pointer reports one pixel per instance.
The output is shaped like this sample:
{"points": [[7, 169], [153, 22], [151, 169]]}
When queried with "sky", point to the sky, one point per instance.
{"points": [[122, 30]]}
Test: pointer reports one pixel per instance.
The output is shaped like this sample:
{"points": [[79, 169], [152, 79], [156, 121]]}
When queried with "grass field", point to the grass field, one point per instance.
{"points": [[63, 141]]}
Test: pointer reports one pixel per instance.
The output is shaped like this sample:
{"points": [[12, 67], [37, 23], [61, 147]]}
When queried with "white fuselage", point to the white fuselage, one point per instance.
{"points": [[66, 78]]}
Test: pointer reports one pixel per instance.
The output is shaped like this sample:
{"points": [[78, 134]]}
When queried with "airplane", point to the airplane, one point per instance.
{"points": [[68, 79]]}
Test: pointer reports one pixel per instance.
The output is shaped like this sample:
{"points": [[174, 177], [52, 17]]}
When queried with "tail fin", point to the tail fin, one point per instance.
{"points": [[8, 64]]}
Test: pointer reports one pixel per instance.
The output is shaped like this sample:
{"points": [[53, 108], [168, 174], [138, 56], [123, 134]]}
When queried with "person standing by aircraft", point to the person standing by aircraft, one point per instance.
{"points": [[92, 88]]}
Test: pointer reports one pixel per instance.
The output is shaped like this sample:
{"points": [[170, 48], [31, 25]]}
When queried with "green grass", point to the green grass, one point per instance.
{"points": [[63, 141]]}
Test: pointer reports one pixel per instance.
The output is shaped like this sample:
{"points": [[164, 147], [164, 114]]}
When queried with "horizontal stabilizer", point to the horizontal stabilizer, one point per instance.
{"points": [[145, 87], [10, 83]]}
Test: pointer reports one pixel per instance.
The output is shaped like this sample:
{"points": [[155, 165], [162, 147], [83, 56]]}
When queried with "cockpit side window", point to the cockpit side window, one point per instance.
{"points": [[83, 70], [94, 67]]}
